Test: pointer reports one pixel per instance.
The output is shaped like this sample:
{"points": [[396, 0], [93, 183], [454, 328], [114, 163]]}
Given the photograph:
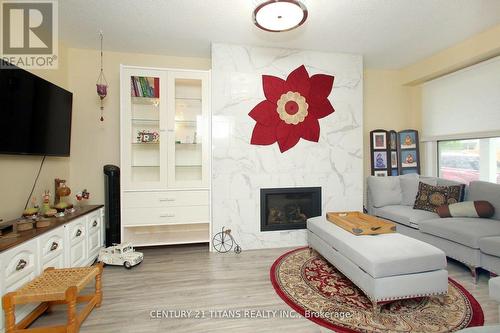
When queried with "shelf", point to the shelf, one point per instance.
{"points": [[190, 123], [189, 166], [163, 224], [187, 144], [146, 143], [145, 100], [145, 120], [145, 166], [167, 234], [197, 99]]}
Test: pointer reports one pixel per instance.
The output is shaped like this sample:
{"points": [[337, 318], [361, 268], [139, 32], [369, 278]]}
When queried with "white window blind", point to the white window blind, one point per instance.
{"points": [[464, 104]]}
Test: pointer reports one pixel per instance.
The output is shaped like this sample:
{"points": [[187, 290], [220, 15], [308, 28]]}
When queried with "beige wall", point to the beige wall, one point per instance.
{"points": [[17, 173], [95, 143], [387, 105]]}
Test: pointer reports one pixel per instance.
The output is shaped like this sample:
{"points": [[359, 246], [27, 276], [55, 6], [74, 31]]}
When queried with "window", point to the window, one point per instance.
{"points": [[470, 159]]}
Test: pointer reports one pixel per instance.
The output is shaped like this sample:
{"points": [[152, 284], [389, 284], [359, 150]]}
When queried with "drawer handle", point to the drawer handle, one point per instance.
{"points": [[94, 224], [54, 246], [167, 199], [167, 215], [21, 264], [78, 233]]}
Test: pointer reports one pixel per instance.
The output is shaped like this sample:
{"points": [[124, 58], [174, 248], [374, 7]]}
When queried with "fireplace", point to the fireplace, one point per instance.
{"points": [[288, 208]]}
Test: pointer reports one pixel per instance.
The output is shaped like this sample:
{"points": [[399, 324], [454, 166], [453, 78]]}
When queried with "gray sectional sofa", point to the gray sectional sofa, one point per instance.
{"points": [[472, 241]]}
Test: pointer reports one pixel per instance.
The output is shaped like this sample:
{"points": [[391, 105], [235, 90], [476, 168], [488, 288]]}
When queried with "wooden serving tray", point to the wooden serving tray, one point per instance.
{"points": [[358, 223]]}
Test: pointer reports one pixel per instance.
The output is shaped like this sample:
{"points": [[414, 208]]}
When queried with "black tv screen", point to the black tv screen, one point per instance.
{"points": [[35, 115]]}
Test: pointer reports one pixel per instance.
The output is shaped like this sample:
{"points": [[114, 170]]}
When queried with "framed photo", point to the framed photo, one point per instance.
{"points": [[380, 160], [408, 139], [379, 140], [394, 159], [409, 158], [410, 170], [381, 173], [393, 140]]}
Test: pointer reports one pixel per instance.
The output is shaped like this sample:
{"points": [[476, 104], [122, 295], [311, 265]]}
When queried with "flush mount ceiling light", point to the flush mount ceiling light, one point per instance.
{"points": [[279, 15]]}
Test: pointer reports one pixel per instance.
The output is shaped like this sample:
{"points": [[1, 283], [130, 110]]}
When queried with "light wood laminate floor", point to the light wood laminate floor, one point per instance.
{"points": [[191, 278]]}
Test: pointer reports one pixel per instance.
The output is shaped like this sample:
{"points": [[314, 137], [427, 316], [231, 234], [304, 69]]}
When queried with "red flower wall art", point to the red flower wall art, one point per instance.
{"points": [[291, 109]]}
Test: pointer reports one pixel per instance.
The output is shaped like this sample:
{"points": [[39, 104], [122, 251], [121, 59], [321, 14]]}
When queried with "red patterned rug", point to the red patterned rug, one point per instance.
{"points": [[315, 289]]}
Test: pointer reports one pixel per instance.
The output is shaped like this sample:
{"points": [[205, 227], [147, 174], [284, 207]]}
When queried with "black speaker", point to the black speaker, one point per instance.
{"points": [[112, 201]]}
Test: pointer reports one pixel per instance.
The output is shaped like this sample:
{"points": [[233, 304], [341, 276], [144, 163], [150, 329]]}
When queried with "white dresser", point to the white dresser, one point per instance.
{"points": [[165, 156], [72, 241]]}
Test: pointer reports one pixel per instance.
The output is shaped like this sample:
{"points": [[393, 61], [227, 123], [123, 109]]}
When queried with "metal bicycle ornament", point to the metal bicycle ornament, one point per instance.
{"points": [[223, 242]]}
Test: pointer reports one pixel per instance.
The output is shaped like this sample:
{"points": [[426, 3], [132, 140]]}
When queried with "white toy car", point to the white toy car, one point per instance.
{"points": [[120, 254]]}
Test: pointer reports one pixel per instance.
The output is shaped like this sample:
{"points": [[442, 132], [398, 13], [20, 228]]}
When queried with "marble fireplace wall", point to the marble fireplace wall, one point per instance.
{"points": [[240, 170]]}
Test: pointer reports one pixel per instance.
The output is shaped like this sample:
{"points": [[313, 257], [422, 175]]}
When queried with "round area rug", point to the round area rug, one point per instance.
{"points": [[318, 291]]}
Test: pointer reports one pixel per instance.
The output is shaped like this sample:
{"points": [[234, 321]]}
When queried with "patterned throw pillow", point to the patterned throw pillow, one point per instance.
{"points": [[430, 197]]}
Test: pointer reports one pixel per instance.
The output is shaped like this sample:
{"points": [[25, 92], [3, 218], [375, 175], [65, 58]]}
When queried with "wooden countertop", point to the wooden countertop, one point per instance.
{"points": [[6, 241]]}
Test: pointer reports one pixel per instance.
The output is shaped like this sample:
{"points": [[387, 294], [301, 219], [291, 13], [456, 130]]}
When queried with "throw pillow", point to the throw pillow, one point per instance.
{"points": [[467, 209], [430, 197], [384, 191], [409, 187]]}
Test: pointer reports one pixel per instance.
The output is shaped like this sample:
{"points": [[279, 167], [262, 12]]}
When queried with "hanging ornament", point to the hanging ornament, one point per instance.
{"points": [[102, 84]]}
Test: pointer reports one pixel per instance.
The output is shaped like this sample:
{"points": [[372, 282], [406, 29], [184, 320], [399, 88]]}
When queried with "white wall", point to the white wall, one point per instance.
{"points": [[240, 170], [463, 104]]}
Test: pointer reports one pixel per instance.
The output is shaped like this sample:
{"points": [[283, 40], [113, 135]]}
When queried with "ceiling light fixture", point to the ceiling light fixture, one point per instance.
{"points": [[279, 15]]}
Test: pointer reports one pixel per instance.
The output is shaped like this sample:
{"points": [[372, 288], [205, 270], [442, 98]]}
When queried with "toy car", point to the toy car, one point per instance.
{"points": [[120, 254]]}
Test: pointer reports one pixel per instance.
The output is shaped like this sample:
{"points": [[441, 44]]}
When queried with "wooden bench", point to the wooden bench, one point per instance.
{"points": [[55, 286]]}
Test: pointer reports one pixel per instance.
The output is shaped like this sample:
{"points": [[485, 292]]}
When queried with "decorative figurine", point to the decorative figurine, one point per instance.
{"points": [[83, 195], [62, 192], [120, 254]]}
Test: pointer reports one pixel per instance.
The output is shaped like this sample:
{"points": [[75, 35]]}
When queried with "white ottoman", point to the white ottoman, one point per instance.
{"points": [[386, 267], [494, 285]]}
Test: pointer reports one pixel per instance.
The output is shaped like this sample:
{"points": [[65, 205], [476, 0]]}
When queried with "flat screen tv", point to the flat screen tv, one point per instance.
{"points": [[35, 115]]}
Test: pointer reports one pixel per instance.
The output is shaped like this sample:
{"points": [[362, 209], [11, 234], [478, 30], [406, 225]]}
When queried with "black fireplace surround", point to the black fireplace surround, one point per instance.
{"points": [[288, 208]]}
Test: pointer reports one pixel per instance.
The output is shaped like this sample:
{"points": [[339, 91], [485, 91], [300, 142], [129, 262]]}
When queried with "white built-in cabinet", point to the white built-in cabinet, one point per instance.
{"points": [[73, 244], [165, 156]]}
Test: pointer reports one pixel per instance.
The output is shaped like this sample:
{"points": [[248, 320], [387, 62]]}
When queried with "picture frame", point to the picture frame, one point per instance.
{"points": [[379, 140], [380, 160], [408, 139], [394, 160], [409, 158], [380, 173], [409, 170], [393, 140]]}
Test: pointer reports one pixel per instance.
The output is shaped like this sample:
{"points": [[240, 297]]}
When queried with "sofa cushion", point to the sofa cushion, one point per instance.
{"points": [[384, 191], [463, 230], [479, 190], [490, 245], [409, 187], [431, 197], [405, 215]]}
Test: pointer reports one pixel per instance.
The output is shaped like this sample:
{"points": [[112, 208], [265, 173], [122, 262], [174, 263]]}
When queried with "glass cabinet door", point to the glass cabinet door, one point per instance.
{"points": [[188, 153], [144, 154]]}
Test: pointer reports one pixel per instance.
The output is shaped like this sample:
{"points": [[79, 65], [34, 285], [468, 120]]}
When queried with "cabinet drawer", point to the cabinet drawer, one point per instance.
{"points": [[77, 255], [94, 222], [51, 249], [164, 199], [76, 231], [93, 244], [167, 215], [20, 265]]}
